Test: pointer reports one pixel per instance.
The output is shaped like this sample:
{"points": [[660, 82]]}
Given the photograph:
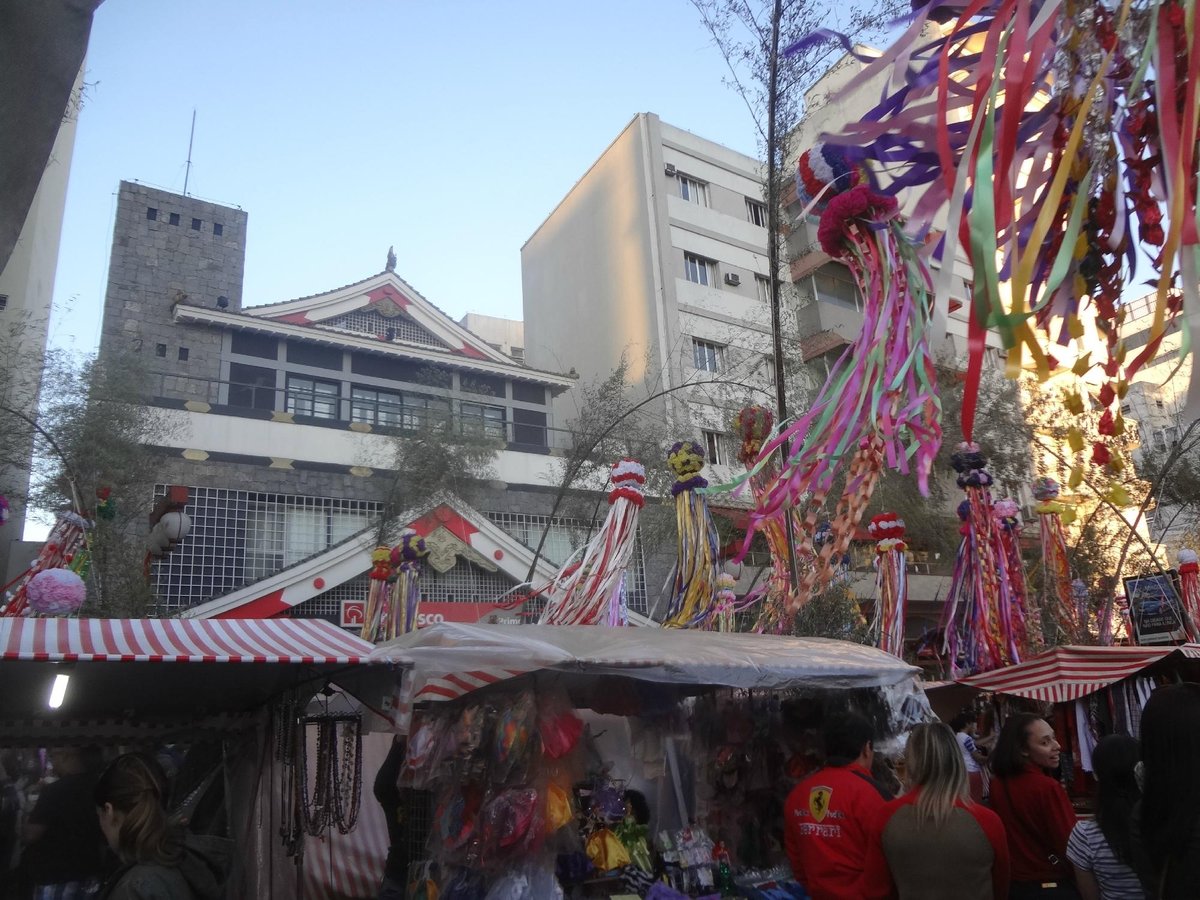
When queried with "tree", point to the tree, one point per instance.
{"points": [[89, 431]]}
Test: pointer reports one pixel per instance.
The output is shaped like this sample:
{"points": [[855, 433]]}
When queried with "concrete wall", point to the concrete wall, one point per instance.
{"points": [[27, 284]]}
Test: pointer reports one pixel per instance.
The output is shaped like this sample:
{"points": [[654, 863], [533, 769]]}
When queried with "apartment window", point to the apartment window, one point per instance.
{"points": [[707, 356], [481, 419], [183, 354], [699, 270], [693, 191], [376, 407], [196, 224], [756, 213], [160, 350], [173, 218], [282, 534], [312, 397], [218, 229], [251, 387], [762, 285], [151, 214], [714, 443], [3, 301], [1158, 403]]}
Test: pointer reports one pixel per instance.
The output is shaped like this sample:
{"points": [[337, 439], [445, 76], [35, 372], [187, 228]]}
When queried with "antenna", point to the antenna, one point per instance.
{"points": [[187, 174]]}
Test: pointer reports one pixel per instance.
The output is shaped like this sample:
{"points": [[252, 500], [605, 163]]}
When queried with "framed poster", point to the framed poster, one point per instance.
{"points": [[1155, 613]]}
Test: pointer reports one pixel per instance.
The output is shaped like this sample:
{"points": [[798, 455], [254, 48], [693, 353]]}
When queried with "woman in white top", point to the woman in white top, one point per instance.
{"points": [[964, 727], [1100, 848]]}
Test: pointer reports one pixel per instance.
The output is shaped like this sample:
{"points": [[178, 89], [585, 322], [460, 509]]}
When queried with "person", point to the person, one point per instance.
{"points": [[1034, 808], [826, 814], [1166, 823], [399, 806], [64, 849], [935, 842], [1100, 849], [158, 860], [974, 758]]}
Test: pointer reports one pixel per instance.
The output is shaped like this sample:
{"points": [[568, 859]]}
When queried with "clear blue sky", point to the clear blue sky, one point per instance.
{"points": [[449, 130]]}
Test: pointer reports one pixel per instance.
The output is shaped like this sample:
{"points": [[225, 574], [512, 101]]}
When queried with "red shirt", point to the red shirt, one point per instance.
{"points": [[964, 858], [825, 830], [1038, 817]]}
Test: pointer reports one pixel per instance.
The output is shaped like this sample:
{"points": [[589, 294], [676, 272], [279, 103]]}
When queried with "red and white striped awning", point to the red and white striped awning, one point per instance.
{"points": [[1068, 673], [286, 641]]}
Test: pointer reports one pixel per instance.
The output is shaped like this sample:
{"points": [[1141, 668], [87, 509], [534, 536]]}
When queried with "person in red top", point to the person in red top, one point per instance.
{"points": [[826, 814], [935, 843], [1034, 808]]}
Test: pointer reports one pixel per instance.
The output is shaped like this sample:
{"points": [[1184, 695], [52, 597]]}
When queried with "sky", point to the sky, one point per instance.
{"points": [[449, 130]]}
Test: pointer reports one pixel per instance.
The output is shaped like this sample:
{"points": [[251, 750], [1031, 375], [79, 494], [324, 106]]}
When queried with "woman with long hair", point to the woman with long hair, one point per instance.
{"points": [[158, 863], [1101, 849], [1034, 808], [1166, 824], [934, 842]]}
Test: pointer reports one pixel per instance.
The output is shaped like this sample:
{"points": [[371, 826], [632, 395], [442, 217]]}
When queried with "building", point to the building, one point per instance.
{"points": [[658, 253], [281, 419], [26, 293]]}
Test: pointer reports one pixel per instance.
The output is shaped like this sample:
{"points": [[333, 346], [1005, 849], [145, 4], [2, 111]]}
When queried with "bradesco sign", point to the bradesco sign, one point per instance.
{"points": [[469, 613]]}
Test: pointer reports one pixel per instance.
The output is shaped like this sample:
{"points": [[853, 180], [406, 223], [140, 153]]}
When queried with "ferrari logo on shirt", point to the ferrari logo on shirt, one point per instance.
{"points": [[818, 801]]}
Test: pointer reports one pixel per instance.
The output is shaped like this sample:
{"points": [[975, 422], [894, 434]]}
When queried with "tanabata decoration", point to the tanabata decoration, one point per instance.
{"points": [[4, 510], [725, 605], [891, 582], [984, 617], [106, 508], [589, 588], [1189, 583], [1057, 602], [378, 619], [1059, 140], [694, 581], [405, 559], [56, 592], [1007, 513], [879, 405], [66, 548]]}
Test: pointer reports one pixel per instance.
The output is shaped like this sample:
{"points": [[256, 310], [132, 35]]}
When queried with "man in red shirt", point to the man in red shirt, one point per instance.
{"points": [[827, 814]]}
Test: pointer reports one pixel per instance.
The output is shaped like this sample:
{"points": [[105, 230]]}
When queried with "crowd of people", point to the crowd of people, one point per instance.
{"points": [[83, 830], [846, 837]]}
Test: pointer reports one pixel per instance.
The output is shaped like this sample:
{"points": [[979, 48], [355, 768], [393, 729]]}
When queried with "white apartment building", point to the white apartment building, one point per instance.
{"points": [[658, 252]]}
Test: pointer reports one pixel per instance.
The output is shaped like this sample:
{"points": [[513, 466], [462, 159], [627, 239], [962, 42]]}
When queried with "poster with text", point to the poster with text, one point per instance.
{"points": [[1154, 609]]}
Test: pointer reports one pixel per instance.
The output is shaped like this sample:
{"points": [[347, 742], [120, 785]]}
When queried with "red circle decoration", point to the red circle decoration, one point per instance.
{"points": [[497, 555], [319, 583]]}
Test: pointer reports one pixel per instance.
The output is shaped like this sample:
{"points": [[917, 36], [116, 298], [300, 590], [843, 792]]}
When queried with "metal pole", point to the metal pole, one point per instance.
{"points": [[188, 172]]}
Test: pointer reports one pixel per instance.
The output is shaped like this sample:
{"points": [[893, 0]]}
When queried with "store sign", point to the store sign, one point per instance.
{"points": [[430, 613], [354, 613], [1155, 612]]}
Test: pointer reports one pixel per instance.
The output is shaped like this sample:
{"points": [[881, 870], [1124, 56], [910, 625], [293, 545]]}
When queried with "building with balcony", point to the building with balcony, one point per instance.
{"points": [[281, 420], [658, 253]]}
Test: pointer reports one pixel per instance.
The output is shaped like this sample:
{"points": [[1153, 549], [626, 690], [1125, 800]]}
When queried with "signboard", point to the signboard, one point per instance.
{"points": [[1155, 612], [354, 613], [432, 613]]}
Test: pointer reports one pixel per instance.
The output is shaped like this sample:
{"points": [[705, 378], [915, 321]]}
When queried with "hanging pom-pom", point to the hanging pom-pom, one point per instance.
{"points": [[56, 592], [1046, 490], [380, 562], [1007, 513], [686, 459], [410, 549], [888, 531], [752, 424], [628, 476], [825, 166]]}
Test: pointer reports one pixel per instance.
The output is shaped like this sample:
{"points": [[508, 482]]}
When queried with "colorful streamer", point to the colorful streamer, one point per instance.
{"points": [[891, 582], [66, 547], [405, 580], [588, 589], [1189, 583], [378, 618], [1057, 594], [694, 580], [1059, 141]]}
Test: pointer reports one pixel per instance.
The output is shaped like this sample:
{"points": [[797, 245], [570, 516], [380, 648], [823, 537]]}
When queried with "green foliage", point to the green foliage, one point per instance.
{"points": [[832, 612]]}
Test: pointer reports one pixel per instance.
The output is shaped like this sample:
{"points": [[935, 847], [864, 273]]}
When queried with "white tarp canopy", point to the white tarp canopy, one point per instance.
{"points": [[449, 660]]}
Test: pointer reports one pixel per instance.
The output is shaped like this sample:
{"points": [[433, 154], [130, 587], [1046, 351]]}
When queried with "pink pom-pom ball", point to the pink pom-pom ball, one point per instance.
{"points": [[56, 592]]}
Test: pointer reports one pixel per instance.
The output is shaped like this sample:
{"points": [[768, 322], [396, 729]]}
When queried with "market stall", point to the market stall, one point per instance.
{"points": [[229, 703], [615, 761], [1086, 693]]}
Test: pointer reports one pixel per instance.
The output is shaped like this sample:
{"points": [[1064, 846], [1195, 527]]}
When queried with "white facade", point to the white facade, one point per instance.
{"points": [[659, 253]]}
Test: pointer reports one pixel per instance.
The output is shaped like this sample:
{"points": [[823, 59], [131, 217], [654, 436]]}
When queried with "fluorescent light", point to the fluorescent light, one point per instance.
{"points": [[59, 691]]}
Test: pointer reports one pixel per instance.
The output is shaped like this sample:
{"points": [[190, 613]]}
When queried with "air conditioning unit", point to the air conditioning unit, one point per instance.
{"points": [[669, 168], [733, 279]]}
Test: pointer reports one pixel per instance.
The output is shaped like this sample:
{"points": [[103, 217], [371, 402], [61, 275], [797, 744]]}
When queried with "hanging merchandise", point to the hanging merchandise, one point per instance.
{"points": [[588, 588], [1057, 606], [879, 404], [1054, 174], [694, 581], [66, 548], [891, 582], [406, 559], [984, 618], [376, 622], [1189, 583]]}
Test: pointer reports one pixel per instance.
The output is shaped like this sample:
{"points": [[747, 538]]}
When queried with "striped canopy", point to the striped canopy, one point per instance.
{"points": [[297, 641], [1068, 673]]}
